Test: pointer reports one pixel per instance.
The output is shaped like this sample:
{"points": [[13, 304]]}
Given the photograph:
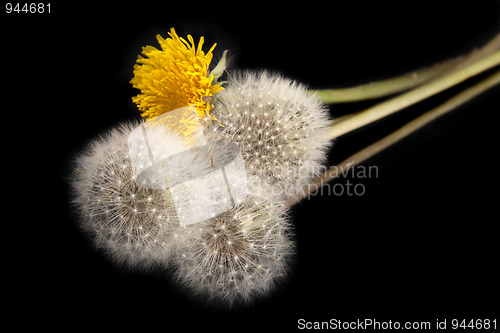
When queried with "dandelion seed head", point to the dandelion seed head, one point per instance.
{"points": [[232, 258], [282, 134], [126, 221]]}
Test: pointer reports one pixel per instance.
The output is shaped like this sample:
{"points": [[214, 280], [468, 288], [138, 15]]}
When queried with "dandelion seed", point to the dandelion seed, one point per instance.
{"points": [[222, 270], [283, 101], [114, 217]]}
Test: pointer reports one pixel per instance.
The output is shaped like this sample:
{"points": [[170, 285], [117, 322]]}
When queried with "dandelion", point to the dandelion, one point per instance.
{"points": [[174, 77], [242, 248], [131, 224], [281, 130], [240, 253], [236, 257]]}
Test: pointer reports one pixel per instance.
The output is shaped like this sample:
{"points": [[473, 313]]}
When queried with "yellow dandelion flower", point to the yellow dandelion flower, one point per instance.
{"points": [[174, 77]]}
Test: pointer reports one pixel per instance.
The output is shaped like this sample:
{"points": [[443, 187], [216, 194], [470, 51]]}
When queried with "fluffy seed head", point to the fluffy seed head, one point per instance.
{"points": [[235, 257], [130, 223], [280, 129]]}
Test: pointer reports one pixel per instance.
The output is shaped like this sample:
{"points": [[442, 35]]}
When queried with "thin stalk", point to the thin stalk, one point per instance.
{"points": [[384, 87], [381, 110], [492, 46], [407, 81], [398, 135]]}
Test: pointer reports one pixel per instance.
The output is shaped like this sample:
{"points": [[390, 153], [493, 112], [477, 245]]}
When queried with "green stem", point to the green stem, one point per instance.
{"points": [[399, 134], [492, 46], [406, 81], [381, 110], [384, 87]]}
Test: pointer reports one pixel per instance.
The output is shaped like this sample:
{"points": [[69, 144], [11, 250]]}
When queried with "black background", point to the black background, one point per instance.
{"points": [[419, 245]]}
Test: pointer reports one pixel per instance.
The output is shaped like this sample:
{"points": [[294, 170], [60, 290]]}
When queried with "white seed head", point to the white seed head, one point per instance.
{"points": [[237, 256], [281, 130], [130, 223]]}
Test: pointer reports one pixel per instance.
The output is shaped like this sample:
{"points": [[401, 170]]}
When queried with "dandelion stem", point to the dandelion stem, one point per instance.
{"points": [[406, 81], [384, 87], [399, 134], [386, 108]]}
